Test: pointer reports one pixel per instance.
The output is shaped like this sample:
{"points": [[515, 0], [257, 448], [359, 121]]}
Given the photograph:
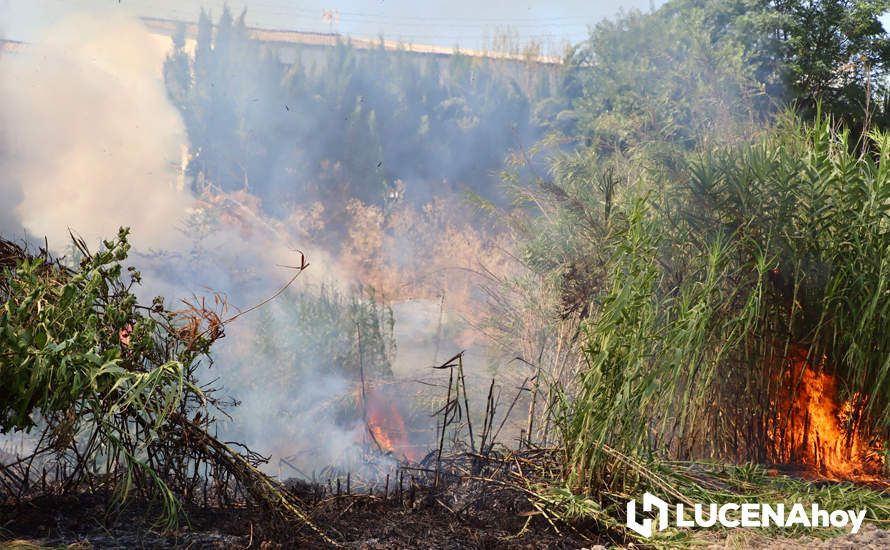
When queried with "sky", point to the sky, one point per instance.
{"points": [[467, 23]]}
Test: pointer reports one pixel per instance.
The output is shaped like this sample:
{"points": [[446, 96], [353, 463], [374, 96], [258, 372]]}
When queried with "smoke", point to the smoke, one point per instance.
{"points": [[91, 142], [10, 223], [89, 139]]}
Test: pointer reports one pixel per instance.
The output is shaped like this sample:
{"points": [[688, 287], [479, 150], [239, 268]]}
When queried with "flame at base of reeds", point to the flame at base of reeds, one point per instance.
{"points": [[815, 429]]}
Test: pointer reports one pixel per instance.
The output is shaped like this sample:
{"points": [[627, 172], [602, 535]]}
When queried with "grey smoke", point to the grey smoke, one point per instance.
{"points": [[90, 142]]}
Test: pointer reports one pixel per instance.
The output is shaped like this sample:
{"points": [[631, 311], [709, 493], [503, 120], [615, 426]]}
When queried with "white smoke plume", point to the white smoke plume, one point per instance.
{"points": [[89, 140]]}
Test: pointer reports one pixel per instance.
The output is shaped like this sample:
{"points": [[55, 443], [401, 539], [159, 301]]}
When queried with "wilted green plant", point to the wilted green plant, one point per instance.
{"points": [[104, 375], [112, 385]]}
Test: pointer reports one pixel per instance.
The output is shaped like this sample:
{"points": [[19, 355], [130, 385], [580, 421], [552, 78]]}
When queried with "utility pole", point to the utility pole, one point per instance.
{"points": [[331, 17]]}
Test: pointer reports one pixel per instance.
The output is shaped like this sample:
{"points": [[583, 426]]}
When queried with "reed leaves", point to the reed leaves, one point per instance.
{"points": [[712, 277]]}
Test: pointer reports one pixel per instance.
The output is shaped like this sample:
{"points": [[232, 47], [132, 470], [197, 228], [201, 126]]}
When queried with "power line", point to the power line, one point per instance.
{"points": [[424, 19], [396, 33], [400, 30], [277, 8], [465, 29]]}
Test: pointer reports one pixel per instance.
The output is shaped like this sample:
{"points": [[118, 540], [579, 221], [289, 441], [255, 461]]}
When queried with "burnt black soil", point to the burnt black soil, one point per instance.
{"points": [[355, 521]]}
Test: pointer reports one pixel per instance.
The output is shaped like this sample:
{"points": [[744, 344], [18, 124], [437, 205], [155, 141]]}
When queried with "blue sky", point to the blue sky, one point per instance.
{"points": [[446, 23]]}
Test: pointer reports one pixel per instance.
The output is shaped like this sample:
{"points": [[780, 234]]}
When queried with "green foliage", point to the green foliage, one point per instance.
{"points": [[697, 256], [652, 348], [700, 71], [313, 346], [681, 343], [835, 52], [298, 350], [808, 201], [103, 374], [786, 237], [61, 342], [665, 77]]}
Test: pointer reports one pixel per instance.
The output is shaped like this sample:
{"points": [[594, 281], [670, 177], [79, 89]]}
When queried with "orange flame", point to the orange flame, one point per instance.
{"points": [[385, 423], [817, 430]]}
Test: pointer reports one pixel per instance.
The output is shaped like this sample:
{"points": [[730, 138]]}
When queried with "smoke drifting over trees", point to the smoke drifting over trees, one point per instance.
{"points": [[343, 122]]}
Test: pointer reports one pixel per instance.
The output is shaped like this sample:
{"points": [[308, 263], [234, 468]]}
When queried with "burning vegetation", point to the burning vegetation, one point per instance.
{"points": [[386, 427], [646, 276], [817, 430]]}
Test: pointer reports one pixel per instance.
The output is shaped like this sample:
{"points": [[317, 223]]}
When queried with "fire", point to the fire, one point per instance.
{"points": [[816, 430], [385, 423]]}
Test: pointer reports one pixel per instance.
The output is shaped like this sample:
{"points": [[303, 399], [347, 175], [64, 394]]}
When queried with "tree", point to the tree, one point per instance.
{"points": [[835, 53], [664, 77], [345, 124], [696, 69]]}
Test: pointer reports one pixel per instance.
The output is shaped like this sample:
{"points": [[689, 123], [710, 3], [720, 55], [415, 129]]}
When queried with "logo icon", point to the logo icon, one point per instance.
{"points": [[651, 503]]}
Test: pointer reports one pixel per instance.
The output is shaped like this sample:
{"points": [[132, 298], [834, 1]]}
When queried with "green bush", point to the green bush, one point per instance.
{"points": [[102, 375]]}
